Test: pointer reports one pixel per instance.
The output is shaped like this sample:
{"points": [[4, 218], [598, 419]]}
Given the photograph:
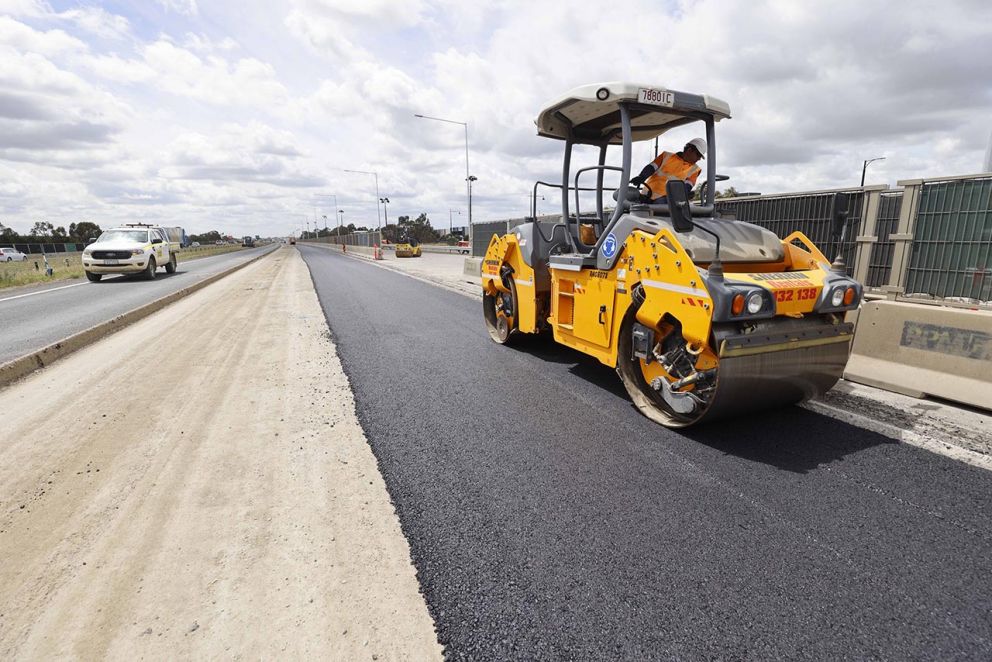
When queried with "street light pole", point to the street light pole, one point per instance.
{"points": [[378, 218], [865, 167], [468, 177], [385, 210]]}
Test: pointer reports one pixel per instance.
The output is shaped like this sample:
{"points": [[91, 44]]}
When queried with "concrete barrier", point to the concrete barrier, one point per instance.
{"points": [[473, 267], [920, 350], [25, 365]]}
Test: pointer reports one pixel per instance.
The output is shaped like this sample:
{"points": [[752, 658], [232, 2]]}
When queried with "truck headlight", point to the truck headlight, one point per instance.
{"points": [[137, 251]]}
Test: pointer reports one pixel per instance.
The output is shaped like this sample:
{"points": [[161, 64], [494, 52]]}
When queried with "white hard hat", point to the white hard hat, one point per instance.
{"points": [[699, 144]]}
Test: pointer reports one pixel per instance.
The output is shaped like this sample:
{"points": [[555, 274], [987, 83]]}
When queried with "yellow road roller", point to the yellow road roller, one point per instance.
{"points": [[409, 247], [702, 317]]}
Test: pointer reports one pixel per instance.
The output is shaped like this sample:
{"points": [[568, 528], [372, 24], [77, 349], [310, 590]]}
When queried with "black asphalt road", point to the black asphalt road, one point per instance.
{"points": [[36, 317], [548, 520]]}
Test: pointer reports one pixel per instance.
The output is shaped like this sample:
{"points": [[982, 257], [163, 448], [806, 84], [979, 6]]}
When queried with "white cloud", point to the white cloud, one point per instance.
{"points": [[98, 21], [24, 8], [213, 79], [25, 39], [249, 107], [184, 7]]}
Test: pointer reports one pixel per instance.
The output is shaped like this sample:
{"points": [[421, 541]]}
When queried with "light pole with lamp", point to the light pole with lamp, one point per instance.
{"points": [[385, 210], [865, 167], [328, 195], [468, 178], [378, 219], [450, 212], [532, 198]]}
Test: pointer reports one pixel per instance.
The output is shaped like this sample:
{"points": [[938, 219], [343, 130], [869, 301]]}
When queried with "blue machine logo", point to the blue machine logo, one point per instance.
{"points": [[610, 246]]}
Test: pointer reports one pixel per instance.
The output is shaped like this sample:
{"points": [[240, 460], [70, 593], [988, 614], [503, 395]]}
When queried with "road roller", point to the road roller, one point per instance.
{"points": [[408, 247], [702, 316]]}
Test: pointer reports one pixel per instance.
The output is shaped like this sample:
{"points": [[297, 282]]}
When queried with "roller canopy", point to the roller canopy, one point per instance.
{"points": [[592, 112]]}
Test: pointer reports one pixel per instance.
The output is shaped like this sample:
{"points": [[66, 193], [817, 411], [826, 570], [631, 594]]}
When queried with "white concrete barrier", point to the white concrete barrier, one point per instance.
{"points": [[918, 350], [473, 267]]}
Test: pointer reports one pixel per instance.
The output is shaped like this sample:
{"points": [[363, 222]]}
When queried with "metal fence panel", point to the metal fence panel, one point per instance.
{"points": [[952, 241], [880, 261], [38, 249], [482, 234], [810, 213]]}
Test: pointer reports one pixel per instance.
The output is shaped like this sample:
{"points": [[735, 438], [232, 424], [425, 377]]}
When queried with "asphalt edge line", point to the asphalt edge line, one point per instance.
{"points": [[382, 265], [11, 371], [901, 435]]}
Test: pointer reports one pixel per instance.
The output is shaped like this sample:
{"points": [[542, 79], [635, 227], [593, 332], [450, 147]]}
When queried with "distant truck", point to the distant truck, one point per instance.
{"points": [[248, 242], [177, 235]]}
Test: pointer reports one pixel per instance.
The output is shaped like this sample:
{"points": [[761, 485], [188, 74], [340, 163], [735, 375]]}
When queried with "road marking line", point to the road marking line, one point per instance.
{"points": [[31, 294], [910, 437]]}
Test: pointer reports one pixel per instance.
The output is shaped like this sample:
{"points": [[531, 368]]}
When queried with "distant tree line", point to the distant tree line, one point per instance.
{"points": [[43, 232]]}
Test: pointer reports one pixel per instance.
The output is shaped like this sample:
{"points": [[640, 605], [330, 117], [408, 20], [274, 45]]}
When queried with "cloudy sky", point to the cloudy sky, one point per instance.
{"points": [[240, 116]]}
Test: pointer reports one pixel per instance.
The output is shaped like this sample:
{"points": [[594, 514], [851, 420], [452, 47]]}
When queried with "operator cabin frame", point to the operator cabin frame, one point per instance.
{"points": [[611, 114]]}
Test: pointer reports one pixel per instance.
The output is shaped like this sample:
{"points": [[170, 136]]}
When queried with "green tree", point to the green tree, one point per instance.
{"points": [[207, 237], [42, 229], [7, 234], [84, 231]]}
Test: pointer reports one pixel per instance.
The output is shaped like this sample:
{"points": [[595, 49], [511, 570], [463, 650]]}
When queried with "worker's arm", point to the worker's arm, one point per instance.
{"points": [[649, 170]]}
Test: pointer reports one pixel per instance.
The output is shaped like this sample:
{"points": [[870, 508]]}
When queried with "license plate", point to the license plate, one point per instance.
{"points": [[109, 262], [656, 97]]}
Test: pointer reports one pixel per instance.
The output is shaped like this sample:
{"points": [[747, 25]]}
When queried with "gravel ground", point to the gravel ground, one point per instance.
{"points": [[548, 520], [197, 486]]}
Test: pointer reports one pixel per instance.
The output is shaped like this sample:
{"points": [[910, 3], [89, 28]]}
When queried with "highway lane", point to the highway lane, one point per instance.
{"points": [[56, 311], [547, 519]]}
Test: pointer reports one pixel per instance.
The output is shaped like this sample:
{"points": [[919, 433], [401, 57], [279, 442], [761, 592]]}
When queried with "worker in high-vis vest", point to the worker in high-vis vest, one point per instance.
{"points": [[668, 166]]}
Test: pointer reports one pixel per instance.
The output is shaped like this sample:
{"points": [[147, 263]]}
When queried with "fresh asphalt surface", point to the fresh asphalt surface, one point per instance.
{"points": [[549, 520], [56, 311]]}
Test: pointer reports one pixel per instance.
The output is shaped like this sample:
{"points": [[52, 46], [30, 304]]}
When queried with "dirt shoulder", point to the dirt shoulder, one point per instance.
{"points": [[197, 485]]}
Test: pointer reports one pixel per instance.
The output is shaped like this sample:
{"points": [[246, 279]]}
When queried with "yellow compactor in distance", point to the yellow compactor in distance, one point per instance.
{"points": [[702, 317], [408, 248]]}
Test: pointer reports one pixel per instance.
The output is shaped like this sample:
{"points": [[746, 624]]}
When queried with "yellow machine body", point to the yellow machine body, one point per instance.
{"points": [[407, 250], [585, 309]]}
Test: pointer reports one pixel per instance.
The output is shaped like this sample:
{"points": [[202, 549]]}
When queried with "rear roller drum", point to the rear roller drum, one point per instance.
{"points": [[500, 311]]}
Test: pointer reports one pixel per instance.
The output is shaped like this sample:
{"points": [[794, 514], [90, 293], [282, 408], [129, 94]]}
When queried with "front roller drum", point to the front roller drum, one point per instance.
{"points": [[744, 384], [500, 312]]}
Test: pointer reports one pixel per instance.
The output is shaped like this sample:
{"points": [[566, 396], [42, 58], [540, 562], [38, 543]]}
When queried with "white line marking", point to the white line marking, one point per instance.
{"points": [[31, 294], [676, 288], [905, 436]]}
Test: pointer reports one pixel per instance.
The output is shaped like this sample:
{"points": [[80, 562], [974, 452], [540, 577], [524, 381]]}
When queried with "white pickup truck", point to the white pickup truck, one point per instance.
{"points": [[130, 249]]}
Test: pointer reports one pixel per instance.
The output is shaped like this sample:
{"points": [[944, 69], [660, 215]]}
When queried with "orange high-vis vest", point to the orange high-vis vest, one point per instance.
{"points": [[669, 166]]}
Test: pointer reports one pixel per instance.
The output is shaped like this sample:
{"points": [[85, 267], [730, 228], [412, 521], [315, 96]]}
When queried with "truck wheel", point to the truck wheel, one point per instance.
{"points": [[171, 267], [150, 270], [93, 278]]}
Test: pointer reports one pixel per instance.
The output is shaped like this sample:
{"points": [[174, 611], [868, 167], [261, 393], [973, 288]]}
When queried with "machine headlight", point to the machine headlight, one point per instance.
{"points": [[837, 297], [754, 302]]}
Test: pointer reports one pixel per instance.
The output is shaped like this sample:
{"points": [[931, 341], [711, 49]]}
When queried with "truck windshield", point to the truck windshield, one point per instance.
{"points": [[138, 236]]}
